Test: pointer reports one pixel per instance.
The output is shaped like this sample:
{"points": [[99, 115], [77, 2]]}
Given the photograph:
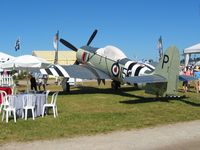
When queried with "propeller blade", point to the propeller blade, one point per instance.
{"points": [[91, 37], [69, 45]]}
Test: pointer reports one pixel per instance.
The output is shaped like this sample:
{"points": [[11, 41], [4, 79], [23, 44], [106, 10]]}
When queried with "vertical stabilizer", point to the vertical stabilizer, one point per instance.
{"points": [[168, 68]]}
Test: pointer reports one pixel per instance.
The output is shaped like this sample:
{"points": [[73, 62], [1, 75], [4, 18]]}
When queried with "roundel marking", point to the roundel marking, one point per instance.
{"points": [[115, 69]]}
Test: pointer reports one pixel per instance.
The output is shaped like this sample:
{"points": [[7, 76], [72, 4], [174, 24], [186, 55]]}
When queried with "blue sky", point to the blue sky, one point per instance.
{"points": [[134, 26]]}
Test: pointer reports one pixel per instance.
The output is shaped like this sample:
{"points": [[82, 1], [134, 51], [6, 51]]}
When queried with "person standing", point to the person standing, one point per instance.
{"points": [[33, 83], [41, 83], [186, 84], [197, 82]]}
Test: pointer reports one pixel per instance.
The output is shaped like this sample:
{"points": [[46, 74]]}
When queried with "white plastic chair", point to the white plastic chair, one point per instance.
{"points": [[51, 105], [47, 94], [28, 103], [9, 108], [14, 90], [4, 96]]}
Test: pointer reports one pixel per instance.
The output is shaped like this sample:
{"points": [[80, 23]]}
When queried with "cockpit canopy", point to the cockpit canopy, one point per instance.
{"points": [[111, 52]]}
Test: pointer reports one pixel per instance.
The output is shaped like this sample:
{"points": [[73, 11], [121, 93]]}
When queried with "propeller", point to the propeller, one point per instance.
{"points": [[72, 47], [69, 45], [92, 37]]}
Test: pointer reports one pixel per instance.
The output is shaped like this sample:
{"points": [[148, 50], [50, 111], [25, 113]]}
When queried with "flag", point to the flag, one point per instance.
{"points": [[55, 45], [160, 47], [17, 45]]}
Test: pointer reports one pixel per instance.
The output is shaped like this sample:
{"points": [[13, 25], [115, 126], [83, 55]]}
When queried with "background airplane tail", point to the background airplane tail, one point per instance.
{"points": [[168, 68]]}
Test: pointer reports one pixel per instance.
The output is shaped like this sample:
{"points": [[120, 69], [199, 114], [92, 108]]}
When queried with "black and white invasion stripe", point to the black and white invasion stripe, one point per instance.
{"points": [[138, 69], [55, 70]]}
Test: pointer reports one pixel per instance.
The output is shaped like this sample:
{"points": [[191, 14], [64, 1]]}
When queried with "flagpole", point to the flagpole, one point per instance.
{"points": [[20, 47], [56, 38], [160, 48], [56, 48]]}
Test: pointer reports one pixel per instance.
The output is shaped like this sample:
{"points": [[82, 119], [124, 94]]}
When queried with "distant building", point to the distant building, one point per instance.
{"points": [[64, 57]]}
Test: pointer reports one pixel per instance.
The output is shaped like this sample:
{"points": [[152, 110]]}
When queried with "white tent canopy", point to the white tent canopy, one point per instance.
{"points": [[195, 49], [26, 62], [5, 57]]}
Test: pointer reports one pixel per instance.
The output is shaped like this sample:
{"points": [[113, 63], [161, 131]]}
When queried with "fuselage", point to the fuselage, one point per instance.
{"points": [[112, 62]]}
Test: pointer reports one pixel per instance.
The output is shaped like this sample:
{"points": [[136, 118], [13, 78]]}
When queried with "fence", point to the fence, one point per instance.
{"points": [[6, 80]]}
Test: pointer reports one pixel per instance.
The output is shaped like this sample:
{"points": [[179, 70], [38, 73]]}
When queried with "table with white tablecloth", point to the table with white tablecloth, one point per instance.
{"points": [[38, 99]]}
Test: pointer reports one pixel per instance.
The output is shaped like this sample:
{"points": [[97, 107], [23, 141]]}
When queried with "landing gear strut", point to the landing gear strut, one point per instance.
{"points": [[115, 85], [65, 85]]}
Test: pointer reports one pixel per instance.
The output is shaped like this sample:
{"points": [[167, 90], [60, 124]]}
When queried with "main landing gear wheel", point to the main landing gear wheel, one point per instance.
{"points": [[65, 85], [115, 85]]}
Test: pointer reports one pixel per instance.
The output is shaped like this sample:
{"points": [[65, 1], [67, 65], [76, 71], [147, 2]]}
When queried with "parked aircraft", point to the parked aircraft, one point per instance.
{"points": [[111, 63]]}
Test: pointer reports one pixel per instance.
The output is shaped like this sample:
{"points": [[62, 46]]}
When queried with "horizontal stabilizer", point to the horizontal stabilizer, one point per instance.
{"points": [[145, 79], [186, 78]]}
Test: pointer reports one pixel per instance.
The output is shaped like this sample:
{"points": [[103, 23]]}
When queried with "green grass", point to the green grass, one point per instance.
{"points": [[91, 109]]}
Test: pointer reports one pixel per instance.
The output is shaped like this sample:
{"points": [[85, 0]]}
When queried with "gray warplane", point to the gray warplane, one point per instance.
{"points": [[111, 63]]}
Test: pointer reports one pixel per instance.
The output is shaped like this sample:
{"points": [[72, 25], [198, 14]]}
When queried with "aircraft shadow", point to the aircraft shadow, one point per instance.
{"points": [[190, 103], [141, 100], [123, 92], [94, 90]]}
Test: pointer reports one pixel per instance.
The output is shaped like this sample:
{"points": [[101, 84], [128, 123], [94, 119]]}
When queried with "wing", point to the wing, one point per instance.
{"points": [[155, 79], [75, 71], [145, 79], [186, 78]]}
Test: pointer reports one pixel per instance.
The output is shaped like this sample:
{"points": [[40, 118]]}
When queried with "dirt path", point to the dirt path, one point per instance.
{"points": [[181, 136]]}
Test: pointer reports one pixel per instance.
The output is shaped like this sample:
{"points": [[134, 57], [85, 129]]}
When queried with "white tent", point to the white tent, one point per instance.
{"points": [[195, 49], [5, 57], [26, 62]]}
